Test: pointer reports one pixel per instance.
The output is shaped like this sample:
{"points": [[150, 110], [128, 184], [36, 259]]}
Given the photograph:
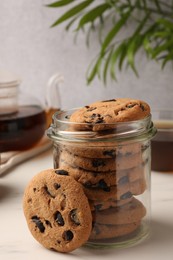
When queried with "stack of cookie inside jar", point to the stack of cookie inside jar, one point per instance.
{"points": [[105, 146]]}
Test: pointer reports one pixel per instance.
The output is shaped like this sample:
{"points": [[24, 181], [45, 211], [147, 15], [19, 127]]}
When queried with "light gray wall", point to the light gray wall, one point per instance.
{"points": [[29, 47]]}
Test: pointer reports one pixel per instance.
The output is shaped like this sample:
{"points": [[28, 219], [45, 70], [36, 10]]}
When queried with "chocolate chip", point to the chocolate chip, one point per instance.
{"points": [[110, 100], [95, 115], [96, 118], [61, 172], [58, 218], [102, 185], [67, 117], [89, 109], [38, 223], [34, 189], [126, 195], [110, 153], [56, 186], [99, 121], [48, 223], [68, 235], [123, 180], [98, 162], [74, 217], [130, 105]]}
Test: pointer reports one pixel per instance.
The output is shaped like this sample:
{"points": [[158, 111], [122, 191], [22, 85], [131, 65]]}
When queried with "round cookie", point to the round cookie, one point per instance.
{"points": [[110, 203], [99, 164], [105, 179], [119, 192], [101, 180], [131, 212], [100, 231], [100, 149], [57, 211], [105, 114]]}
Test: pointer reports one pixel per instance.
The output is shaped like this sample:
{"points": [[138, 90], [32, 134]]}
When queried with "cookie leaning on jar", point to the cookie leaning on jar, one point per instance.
{"points": [[104, 149], [57, 211]]}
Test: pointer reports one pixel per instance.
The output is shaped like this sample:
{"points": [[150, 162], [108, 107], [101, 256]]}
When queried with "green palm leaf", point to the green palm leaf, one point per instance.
{"points": [[73, 11], [93, 14], [135, 43], [95, 70], [113, 60], [107, 63], [60, 3], [111, 35], [162, 48]]}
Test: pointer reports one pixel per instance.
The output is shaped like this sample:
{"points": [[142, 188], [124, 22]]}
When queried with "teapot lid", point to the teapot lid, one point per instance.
{"points": [[8, 79]]}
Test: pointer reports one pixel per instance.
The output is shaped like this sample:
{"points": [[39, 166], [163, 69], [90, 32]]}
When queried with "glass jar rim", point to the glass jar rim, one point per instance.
{"points": [[63, 129]]}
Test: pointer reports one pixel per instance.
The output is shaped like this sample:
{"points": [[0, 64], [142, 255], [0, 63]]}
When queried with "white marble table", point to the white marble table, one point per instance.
{"points": [[16, 242]]}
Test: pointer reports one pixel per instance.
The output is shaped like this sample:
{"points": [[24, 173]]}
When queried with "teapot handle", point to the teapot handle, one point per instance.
{"points": [[52, 99]]}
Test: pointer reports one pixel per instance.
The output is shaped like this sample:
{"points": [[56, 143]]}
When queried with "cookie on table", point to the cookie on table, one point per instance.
{"points": [[99, 164], [57, 211], [100, 115], [101, 231], [131, 212]]}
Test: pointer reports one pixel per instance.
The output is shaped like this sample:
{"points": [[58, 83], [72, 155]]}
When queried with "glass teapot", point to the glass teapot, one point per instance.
{"points": [[23, 120]]}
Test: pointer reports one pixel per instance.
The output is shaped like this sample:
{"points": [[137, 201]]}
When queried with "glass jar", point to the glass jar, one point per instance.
{"points": [[113, 165]]}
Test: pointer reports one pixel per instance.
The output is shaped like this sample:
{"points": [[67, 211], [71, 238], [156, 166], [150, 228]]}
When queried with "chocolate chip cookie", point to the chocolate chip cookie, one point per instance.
{"points": [[110, 203], [131, 212], [101, 231], [98, 179], [99, 164], [104, 115], [100, 150], [57, 211], [119, 192]]}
